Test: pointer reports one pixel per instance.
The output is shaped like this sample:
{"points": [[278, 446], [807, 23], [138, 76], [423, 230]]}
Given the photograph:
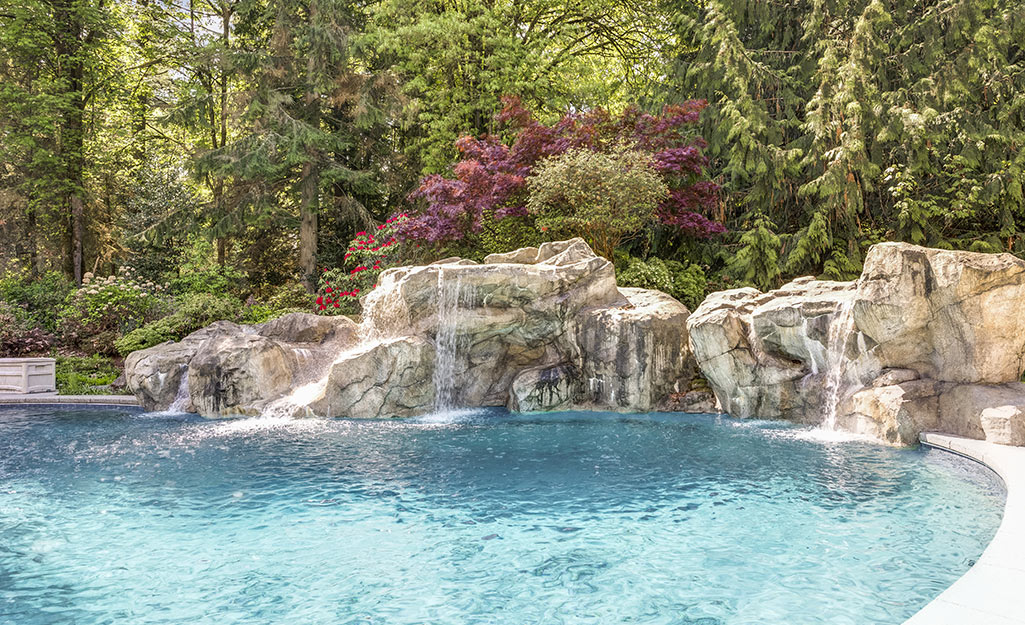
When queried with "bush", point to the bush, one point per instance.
{"points": [[603, 198], [260, 313], [368, 255], [104, 309], [211, 280], [89, 375], [17, 336], [191, 312], [39, 299], [684, 282]]}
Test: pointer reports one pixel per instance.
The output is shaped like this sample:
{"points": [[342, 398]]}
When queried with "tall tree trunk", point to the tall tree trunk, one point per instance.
{"points": [[308, 225], [72, 142], [309, 204], [30, 239]]}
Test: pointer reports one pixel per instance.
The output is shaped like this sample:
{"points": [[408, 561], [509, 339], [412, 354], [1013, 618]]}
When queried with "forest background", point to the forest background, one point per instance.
{"points": [[165, 164]]}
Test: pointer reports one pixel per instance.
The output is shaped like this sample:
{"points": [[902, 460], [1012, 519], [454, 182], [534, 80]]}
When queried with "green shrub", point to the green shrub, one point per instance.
{"points": [[191, 312], [18, 337], [290, 296], [684, 282], [104, 309], [39, 299], [89, 375], [260, 313], [603, 198], [211, 280]]}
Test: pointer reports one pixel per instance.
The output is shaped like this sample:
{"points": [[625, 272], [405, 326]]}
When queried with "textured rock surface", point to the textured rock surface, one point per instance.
{"points": [[154, 375], [535, 329], [953, 316], [920, 341], [765, 354], [390, 378], [544, 388], [635, 356], [231, 369]]}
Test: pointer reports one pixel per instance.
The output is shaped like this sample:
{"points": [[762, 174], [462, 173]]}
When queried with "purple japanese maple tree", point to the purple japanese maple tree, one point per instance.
{"points": [[490, 177]]}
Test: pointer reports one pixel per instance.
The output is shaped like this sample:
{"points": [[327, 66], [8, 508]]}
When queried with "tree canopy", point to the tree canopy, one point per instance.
{"points": [[263, 135]]}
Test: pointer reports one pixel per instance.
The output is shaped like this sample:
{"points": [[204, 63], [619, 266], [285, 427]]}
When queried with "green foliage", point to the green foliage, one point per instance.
{"points": [[192, 311], [603, 198], [103, 309], [17, 335], [685, 282], [457, 59], [842, 122], [89, 375], [757, 261], [212, 280], [38, 298]]}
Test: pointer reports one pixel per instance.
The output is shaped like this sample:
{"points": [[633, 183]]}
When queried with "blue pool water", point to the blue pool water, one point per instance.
{"points": [[481, 518]]}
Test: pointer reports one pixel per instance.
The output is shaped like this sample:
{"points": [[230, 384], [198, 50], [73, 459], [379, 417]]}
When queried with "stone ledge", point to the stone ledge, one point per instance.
{"points": [[990, 592], [11, 399]]}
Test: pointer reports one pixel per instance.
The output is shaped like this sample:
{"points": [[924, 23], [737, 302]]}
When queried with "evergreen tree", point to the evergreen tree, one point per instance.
{"points": [[313, 100]]}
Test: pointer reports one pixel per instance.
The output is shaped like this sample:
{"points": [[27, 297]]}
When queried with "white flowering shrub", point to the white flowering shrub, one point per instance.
{"points": [[103, 309]]}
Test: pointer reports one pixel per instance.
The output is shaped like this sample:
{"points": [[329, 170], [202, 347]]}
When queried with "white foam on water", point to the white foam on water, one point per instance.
{"points": [[449, 417]]}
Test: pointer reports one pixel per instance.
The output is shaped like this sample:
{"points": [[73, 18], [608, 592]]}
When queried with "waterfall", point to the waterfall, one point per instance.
{"points": [[181, 397], [840, 330], [446, 342]]}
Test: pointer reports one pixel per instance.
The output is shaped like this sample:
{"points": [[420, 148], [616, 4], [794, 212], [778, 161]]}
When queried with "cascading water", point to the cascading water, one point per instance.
{"points": [[446, 342], [840, 331], [181, 397]]}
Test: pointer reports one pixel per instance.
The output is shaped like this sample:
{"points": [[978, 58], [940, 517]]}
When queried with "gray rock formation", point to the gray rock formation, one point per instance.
{"points": [[535, 329], [924, 339]]}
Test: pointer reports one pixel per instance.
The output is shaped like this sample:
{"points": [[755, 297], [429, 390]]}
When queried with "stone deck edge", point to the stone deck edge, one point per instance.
{"points": [[13, 399], [991, 592]]}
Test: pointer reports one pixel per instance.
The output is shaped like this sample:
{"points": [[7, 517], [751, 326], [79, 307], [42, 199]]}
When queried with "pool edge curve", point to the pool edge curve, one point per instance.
{"points": [[990, 592]]}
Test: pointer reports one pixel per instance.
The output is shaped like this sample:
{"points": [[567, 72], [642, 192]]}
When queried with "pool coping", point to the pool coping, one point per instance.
{"points": [[991, 592], [50, 399]]}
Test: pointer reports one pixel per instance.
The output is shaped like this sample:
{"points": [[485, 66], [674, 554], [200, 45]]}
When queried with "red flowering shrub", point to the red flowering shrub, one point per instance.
{"points": [[367, 256], [491, 179]]}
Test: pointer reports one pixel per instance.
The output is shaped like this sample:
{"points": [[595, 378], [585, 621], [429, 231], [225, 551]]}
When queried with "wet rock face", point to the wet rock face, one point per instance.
{"points": [[924, 339], [635, 356], [535, 329], [234, 370], [390, 378]]}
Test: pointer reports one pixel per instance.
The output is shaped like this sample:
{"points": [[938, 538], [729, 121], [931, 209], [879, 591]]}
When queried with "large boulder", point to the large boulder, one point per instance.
{"points": [[541, 328], [389, 378], [156, 375], [491, 321], [226, 369], [951, 316], [924, 339], [635, 356], [768, 355], [235, 375]]}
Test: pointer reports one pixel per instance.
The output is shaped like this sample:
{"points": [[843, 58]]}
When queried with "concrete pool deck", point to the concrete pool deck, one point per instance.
{"points": [[993, 591], [9, 399]]}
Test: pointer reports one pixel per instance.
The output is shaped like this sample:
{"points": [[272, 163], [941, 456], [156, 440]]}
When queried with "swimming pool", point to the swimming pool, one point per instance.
{"points": [[111, 516]]}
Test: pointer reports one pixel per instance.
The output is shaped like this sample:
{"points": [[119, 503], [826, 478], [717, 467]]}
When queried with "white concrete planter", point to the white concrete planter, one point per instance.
{"points": [[28, 375]]}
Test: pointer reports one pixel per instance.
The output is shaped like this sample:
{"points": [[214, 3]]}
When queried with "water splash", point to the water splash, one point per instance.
{"points": [[840, 330]]}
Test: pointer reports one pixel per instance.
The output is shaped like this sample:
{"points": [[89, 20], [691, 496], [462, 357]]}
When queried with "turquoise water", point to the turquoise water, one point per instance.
{"points": [[474, 518]]}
